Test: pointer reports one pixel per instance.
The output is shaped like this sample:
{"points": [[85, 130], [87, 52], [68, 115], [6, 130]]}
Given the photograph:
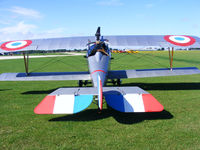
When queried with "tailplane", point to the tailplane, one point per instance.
{"points": [[74, 100], [66, 101], [131, 99]]}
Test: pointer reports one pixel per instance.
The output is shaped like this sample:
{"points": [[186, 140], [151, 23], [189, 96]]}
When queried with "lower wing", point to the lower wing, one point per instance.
{"points": [[114, 74], [142, 73], [45, 76]]}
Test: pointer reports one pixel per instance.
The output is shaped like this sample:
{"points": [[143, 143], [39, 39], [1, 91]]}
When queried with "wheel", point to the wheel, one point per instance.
{"points": [[119, 82], [113, 82], [86, 82], [80, 83]]}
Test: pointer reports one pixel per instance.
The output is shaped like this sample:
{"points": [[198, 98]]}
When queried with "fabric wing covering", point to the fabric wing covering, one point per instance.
{"points": [[74, 100], [122, 41]]}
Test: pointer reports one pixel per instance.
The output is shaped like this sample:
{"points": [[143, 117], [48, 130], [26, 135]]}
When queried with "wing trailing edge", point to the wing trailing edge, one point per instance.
{"points": [[142, 73]]}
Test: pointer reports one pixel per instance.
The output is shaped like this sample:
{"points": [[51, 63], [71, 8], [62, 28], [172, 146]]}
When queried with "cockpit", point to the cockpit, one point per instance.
{"points": [[98, 46]]}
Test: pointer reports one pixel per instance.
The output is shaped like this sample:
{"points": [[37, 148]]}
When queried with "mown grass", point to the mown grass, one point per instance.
{"points": [[177, 127]]}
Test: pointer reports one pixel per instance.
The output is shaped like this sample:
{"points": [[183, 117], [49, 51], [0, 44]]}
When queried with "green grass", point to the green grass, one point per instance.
{"points": [[175, 128]]}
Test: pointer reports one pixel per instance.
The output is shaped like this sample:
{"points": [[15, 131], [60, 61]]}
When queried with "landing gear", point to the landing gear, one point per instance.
{"points": [[116, 82], [119, 82], [81, 83]]}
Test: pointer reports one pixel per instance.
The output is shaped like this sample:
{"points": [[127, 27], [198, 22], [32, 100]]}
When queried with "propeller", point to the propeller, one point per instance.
{"points": [[98, 34]]}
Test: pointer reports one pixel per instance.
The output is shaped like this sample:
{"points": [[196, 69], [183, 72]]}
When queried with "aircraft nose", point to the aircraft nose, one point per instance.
{"points": [[98, 66], [98, 56]]}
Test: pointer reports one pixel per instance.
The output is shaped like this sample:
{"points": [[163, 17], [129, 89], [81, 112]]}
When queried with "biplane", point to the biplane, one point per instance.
{"points": [[123, 99]]}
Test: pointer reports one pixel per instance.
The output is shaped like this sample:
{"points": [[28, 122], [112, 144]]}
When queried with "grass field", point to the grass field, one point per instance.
{"points": [[177, 127]]}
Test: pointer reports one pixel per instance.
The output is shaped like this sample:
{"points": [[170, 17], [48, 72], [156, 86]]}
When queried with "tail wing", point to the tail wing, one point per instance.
{"points": [[66, 101], [74, 100], [131, 99]]}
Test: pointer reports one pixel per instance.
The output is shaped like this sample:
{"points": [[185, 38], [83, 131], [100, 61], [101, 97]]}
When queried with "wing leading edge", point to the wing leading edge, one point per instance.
{"points": [[122, 41], [45, 76], [142, 73]]}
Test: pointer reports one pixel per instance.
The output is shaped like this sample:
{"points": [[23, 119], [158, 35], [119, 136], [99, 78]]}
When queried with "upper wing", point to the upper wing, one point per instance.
{"points": [[141, 73], [45, 76], [132, 41], [115, 42], [46, 44]]}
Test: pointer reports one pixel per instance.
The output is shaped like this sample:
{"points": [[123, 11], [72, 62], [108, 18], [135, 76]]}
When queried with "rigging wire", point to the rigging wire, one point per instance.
{"points": [[143, 56], [57, 60]]}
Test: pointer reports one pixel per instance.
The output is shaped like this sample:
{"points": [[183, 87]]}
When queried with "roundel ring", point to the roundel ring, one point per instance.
{"points": [[180, 40], [15, 45]]}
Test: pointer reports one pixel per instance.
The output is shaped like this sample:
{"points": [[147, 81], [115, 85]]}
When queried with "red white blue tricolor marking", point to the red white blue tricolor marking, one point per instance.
{"points": [[133, 102], [15, 45], [180, 40], [63, 104], [100, 93]]}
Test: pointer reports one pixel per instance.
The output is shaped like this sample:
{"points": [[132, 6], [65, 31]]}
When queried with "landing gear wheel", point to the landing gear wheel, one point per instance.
{"points": [[86, 82], [80, 83], [113, 82], [119, 82]]}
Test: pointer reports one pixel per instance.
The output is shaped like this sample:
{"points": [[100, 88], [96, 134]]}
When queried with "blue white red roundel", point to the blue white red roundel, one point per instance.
{"points": [[15, 45], [180, 40]]}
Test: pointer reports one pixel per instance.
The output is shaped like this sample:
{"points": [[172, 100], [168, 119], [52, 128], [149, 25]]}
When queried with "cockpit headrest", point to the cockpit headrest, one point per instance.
{"points": [[97, 42]]}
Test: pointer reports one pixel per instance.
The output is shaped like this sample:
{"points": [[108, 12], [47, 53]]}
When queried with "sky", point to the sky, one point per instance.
{"points": [[32, 19]]}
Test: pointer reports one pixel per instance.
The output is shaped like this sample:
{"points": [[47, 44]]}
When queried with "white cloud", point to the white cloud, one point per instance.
{"points": [[26, 12], [110, 2], [21, 27], [196, 26], [55, 31], [52, 33], [18, 31], [139, 15], [22, 31], [149, 5], [4, 22]]}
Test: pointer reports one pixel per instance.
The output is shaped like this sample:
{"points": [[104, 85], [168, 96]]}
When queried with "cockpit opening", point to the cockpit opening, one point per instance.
{"points": [[98, 47]]}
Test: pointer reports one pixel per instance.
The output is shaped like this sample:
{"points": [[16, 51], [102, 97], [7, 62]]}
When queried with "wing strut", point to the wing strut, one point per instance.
{"points": [[26, 63], [171, 54]]}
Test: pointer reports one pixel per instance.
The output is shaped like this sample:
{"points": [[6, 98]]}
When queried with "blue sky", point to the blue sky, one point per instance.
{"points": [[30, 19]]}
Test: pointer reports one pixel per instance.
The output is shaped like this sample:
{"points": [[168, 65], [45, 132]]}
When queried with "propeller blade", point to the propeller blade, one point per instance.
{"points": [[98, 34]]}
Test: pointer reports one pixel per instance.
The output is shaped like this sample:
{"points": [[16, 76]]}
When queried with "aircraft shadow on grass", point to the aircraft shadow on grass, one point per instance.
{"points": [[39, 92], [123, 118], [1, 90], [45, 91], [144, 86], [166, 86]]}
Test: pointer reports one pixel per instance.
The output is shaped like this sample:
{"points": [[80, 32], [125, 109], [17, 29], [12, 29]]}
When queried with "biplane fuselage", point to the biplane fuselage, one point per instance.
{"points": [[98, 62]]}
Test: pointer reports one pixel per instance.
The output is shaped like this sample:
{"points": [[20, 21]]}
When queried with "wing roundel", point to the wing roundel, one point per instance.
{"points": [[15, 45], [180, 40]]}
